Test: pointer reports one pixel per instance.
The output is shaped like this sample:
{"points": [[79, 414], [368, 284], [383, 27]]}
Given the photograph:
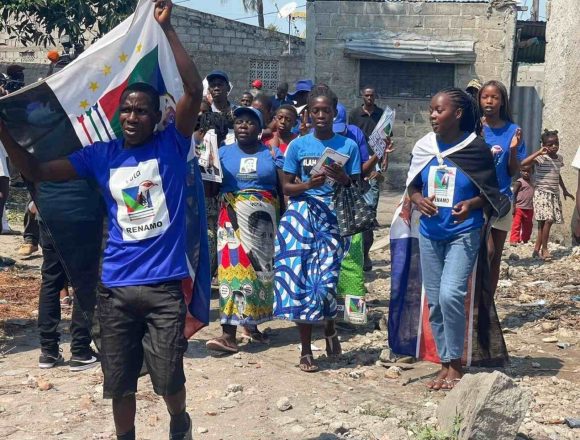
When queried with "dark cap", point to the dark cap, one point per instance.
{"points": [[250, 110], [218, 74], [14, 69]]}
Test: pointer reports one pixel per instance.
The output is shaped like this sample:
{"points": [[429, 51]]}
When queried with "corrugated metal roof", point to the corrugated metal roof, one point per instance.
{"points": [[532, 32], [406, 46]]}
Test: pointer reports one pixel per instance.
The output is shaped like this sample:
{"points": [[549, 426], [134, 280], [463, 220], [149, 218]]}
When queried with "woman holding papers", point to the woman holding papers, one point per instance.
{"points": [[309, 248], [246, 228], [451, 181]]}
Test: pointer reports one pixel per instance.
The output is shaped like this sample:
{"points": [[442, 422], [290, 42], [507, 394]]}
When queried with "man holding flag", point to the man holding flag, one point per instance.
{"points": [[143, 178]]}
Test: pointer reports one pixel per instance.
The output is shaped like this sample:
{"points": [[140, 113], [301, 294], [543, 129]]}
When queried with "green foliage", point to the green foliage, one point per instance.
{"points": [[37, 22], [430, 433]]}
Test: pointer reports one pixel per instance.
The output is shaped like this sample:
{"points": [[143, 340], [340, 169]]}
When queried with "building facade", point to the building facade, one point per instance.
{"points": [[246, 52], [408, 50]]}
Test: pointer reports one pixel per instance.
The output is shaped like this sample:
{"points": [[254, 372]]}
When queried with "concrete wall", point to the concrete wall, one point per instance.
{"points": [[562, 92], [527, 102], [214, 42], [532, 75], [492, 30]]}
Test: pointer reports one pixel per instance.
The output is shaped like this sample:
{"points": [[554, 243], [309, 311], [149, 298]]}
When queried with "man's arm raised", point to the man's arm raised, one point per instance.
{"points": [[188, 105], [30, 167]]}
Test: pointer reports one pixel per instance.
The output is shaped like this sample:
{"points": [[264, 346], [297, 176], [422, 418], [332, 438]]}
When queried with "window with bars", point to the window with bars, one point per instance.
{"points": [[27, 56], [406, 79], [266, 70]]}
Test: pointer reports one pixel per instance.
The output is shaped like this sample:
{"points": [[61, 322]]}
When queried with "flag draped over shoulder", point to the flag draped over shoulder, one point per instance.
{"points": [[409, 328], [78, 106]]}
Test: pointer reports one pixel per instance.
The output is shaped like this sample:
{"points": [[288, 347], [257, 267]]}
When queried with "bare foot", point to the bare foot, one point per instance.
{"points": [[545, 255]]}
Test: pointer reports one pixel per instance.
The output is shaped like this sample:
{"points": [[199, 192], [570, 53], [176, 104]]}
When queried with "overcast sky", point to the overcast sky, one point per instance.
{"points": [[233, 10]]}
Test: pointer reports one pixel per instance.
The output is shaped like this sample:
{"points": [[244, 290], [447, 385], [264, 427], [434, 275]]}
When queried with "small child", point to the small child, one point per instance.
{"points": [[547, 203], [523, 207], [285, 119]]}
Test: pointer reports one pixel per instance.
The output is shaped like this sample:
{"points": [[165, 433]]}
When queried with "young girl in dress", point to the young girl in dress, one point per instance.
{"points": [[548, 181]]}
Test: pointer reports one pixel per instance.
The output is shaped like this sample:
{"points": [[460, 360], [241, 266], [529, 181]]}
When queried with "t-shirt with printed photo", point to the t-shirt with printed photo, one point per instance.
{"points": [[303, 153], [144, 190], [249, 171]]}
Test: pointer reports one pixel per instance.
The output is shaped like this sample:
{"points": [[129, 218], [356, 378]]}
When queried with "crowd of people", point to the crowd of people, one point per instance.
{"points": [[276, 247]]}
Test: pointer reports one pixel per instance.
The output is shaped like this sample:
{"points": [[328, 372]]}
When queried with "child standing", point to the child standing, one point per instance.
{"points": [[523, 210], [547, 203], [285, 118]]}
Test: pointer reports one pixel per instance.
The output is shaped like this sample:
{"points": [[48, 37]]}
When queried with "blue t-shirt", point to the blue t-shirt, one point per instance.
{"points": [[357, 135], [303, 153], [451, 186], [249, 171], [500, 139], [144, 190]]}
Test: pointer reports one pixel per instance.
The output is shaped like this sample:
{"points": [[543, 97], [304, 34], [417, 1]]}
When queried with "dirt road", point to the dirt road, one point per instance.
{"points": [[238, 397]]}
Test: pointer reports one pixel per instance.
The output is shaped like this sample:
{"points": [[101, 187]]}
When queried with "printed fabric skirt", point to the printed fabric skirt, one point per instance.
{"points": [[246, 230], [309, 251], [547, 206]]}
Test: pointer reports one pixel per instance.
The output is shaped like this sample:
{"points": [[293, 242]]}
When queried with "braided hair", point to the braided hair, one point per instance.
{"points": [[548, 133], [323, 91], [470, 117], [505, 112]]}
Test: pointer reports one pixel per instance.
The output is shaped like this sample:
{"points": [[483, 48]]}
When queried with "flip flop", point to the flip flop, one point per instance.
{"points": [[450, 384], [432, 383], [331, 341], [217, 344], [257, 336], [309, 367]]}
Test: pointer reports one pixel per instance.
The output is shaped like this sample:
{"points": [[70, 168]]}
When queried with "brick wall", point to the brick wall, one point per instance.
{"points": [[328, 22], [214, 42]]}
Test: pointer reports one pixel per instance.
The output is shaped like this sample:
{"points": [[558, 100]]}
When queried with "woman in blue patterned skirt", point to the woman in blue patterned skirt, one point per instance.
{"points": [[309, 248]]}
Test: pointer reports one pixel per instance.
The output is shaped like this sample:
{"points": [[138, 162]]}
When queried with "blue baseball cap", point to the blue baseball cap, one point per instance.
{"points": [[218, 74], [304, 85], [252, 111], [339, 124]]}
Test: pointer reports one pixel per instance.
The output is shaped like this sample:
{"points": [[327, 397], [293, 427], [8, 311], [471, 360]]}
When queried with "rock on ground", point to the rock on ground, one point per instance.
{"points": [[489, 406]]}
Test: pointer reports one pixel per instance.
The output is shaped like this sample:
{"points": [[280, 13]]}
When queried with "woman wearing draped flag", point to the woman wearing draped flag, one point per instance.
{"points": [[438, 245], [309, 248], [247, 223], [143, 176]]}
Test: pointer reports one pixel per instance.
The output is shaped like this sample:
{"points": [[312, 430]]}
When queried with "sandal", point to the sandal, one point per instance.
{"points": [[450, 384], [330, 341], [309, 366], [219, 344], [255, 335], [435, 384], [65, 302]]}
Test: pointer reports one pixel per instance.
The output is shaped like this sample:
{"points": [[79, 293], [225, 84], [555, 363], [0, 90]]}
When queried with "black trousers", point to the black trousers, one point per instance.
{"points": [[31, 232], [53, 281]]}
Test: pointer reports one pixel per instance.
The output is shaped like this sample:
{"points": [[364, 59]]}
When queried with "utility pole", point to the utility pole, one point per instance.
{"points": [[535, 13]]}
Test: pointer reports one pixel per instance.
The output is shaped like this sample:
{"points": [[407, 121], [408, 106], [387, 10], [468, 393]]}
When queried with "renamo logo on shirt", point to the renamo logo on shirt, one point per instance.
{"points": [[141, 206]]}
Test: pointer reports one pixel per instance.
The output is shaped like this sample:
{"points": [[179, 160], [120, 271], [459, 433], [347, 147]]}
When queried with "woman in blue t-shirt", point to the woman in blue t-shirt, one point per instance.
{"points": [[508, 149], [247, 223], [450, 225], [309, 248]]}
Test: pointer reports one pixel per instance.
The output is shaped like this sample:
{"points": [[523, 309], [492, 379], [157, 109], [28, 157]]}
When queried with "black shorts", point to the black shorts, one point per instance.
{"points": [[142, 323]]}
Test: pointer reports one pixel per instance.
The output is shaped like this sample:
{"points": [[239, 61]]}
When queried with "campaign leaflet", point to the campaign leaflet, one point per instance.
{"points": [[383, 130]]}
